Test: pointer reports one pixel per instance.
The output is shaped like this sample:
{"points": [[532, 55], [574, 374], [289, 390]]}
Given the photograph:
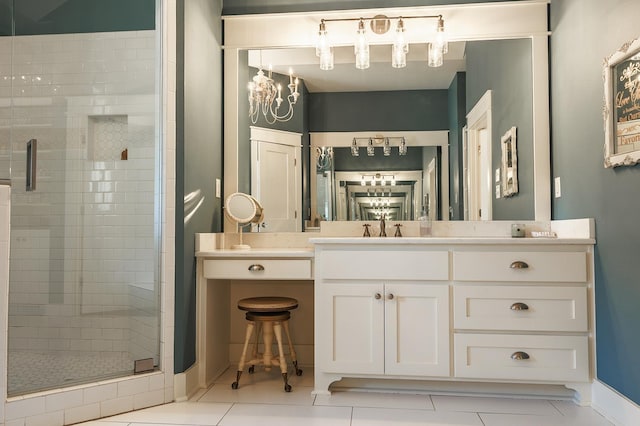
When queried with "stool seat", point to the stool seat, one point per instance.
{"points": [[267, 304], [268, 316]]}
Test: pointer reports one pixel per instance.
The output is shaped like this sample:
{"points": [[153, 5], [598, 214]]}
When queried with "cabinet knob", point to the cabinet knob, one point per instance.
{"points": [[519, 306], [256, 267], [378, 296], [390, 296], [518, 264], [520, 355]]}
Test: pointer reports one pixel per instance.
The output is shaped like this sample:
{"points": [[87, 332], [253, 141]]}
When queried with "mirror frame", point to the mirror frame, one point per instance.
{"points": [[465, 22]]}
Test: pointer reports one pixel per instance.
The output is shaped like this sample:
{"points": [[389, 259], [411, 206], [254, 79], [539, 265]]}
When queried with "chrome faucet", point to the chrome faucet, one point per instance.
{"points": [[383, 232]]}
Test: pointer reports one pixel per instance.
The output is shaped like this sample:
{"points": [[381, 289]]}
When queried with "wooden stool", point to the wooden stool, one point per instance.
{"points": [[269, 314]]}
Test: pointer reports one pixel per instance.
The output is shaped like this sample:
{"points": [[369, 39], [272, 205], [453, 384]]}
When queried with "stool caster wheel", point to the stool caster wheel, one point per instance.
{"points": [[252, 369], [234, 385], [287, 388], [298, 372]]}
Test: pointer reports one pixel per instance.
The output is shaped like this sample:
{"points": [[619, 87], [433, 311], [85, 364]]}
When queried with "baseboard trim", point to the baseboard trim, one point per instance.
{"points": [[613, 406], [185, 384]]}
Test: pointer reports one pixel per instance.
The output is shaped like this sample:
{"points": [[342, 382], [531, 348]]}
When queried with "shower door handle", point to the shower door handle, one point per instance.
{"points": [[32, 155]]}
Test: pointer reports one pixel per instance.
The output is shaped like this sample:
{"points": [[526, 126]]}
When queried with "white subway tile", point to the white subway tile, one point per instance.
{"points": [[49, 419], [116, 406], [81, 414], [16, 409], [100, 393], [63, 400]]}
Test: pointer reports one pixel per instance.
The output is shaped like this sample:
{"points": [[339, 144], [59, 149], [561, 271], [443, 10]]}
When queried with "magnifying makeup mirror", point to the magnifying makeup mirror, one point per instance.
{"points": [[242, 209]]}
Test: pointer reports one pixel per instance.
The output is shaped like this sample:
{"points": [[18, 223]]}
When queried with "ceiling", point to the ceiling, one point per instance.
{"points": [[380, 76]]}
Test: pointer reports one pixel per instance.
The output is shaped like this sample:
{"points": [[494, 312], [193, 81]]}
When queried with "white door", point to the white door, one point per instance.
{"points": [[276, 179], [433, 191], [351, 329], [417, 329], [478, 153]]}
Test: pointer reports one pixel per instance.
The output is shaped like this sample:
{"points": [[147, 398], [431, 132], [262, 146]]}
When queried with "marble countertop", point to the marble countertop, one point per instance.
{"points": [[448, 240], [278, 252]]}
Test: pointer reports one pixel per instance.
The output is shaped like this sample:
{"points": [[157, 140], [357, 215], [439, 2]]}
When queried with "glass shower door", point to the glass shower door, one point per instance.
{"points": [[84, 281]]}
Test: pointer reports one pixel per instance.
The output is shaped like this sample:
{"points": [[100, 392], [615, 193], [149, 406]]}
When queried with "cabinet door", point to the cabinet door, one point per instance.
{"points": [[350, 328], [417, 329]]}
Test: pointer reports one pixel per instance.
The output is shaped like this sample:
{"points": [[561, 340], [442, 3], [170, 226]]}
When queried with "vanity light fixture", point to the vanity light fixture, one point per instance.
{"points": [[263, 93], [380, 25], [386, 142]]}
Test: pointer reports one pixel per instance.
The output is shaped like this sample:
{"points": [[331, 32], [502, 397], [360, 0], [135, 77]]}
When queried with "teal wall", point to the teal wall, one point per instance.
{"points": [[371, 111], [33, 17], [457, 120], [585, 32], [508, 74], [198, 154]]}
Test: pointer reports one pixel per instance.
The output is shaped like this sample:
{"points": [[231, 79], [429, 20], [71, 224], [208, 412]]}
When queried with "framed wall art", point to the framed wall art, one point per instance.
{"points": [[621, 113], [509, 163]]}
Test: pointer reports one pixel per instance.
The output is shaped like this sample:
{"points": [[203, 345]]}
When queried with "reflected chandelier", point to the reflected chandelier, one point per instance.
{"points": [[380, 24], [264, 92]]}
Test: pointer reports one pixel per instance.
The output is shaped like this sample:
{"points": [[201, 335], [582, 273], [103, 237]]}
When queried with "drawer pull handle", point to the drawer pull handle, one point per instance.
{"points": [[519, 264], [519, 306], [520, 355], [256, 267], [390, 296], [378, 296]]}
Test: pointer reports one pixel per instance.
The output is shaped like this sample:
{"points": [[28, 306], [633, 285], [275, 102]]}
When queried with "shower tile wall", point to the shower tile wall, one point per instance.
{"points": [[5, 211], [5, 111], [89, 100]]}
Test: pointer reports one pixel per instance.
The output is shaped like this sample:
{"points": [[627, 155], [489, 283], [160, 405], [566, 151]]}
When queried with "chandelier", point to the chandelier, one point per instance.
{"points": [[264, 93], [380, 24]]}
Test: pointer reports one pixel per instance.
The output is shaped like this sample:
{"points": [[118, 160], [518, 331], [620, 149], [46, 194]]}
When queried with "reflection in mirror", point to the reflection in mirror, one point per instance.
{"points": [[416, 98], [504, 65]]}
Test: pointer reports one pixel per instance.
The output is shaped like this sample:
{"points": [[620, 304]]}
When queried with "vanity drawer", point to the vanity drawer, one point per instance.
{"points": [[261, 269], [520, 266], [385, 264], [520, 357], [529, 308]]}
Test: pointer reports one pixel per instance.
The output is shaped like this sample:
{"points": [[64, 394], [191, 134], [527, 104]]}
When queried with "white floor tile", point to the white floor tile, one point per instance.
{"points": [[493, 419], [182, 413], [261, 387], [277, 415], [494, 405], [376, 400], [393, 417]]}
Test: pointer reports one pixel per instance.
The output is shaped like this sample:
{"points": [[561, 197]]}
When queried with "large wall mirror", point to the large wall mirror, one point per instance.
{"points": [[498, 49]]}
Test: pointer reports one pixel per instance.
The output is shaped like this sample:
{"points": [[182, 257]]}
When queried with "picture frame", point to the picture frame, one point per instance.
{"points": [[509, 163], [621, 111]]}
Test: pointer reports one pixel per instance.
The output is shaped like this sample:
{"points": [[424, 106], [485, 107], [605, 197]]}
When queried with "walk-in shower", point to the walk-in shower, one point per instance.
{"points": [[79, 140]]}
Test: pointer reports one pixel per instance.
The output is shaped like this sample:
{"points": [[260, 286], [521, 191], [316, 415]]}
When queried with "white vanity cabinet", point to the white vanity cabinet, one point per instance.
{"points": [[392, 328], [454, 309], [381, 311], [521, 314]]}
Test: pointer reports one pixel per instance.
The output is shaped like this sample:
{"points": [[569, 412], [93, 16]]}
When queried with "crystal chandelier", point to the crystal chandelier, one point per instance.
{"points": [[264, 93]]}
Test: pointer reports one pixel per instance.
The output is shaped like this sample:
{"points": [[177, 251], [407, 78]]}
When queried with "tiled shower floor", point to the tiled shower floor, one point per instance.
{"points": [[31, 371]]}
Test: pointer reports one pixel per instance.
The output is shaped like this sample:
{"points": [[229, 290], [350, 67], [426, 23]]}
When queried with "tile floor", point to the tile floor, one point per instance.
{"points": [[260, 400]]}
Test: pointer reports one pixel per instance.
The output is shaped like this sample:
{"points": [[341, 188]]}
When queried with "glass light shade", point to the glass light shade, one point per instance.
{"points": [[370, 149], [363, 182], [435, 56], [361, 48], [386, 149], [402, 149], [354, 148], [322, 43], [326, 59], [441, 37], [400, 48]]}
